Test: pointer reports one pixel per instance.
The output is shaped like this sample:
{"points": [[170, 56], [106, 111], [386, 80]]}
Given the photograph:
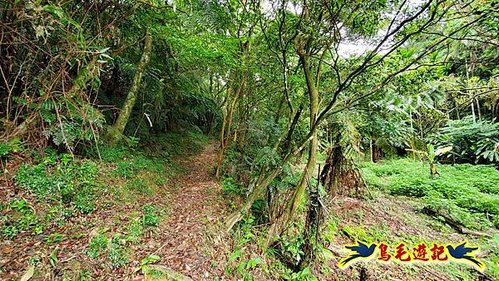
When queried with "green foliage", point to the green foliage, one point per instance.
{"points": [[178, 143], [430, 154], [266, 157], [303, 275], [229, 186], [149, 260], [240, 263], [150, 216], [129, 161], [472, 141], [118, 254], [54, 238], [12, 146], [292, 247], [147, 270], [76, 130], [97, 246], [34, 178], [61, 179], [116, 249], [134, 230], [469, 193], [68, 186], [20, 217], [140, 186]]}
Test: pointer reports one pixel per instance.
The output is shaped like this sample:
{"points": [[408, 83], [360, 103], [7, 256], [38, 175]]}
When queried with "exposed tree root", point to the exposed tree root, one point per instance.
{"points": [[339, 176]]}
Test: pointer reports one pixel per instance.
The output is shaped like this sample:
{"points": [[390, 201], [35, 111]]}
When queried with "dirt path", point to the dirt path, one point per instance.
{"points": [[191, 238]]}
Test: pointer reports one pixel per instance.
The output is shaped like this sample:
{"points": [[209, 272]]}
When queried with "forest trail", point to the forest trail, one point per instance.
{"points": [[191, 241]]}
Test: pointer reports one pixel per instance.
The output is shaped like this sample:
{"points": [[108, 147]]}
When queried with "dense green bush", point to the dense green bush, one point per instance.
{"points": [[230, 186], [472, 140]]}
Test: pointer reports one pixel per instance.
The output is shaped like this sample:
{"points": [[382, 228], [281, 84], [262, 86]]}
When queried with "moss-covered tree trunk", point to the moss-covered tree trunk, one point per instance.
{"points": [[115, 133], [312, 150]]}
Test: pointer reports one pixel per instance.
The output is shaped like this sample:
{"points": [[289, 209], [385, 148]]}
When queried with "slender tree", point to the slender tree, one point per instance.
{"points": [[115, 133]]}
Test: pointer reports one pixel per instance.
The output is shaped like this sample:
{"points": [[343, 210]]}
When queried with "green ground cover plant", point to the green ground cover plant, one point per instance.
{"points": [[469, 193]]}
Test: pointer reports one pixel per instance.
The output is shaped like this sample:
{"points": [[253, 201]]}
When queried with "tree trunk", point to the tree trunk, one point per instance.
{"points": [[339, 176], [278, 225], [287, 141], [312, 151], [221, 152], [376, 153], [225, 138], [115, 133], [257, 192], [311, 139]]}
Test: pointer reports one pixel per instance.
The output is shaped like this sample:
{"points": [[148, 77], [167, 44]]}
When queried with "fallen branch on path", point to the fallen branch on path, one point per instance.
{"points": [[452, 222]]}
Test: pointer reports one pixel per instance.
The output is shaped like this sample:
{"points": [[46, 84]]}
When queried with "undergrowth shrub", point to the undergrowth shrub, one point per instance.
{"points": [[472, 140], [6, 148], [240, 263], [150, 217], [230, 187], [69, 187], [115, 249], [21, 217], [118, 252], [97, 245], [64, 180], [467, 192]]}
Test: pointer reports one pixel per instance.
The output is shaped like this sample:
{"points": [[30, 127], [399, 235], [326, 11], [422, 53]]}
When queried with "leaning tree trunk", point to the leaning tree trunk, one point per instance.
{"points": [[312, 151], [116, 131]]}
